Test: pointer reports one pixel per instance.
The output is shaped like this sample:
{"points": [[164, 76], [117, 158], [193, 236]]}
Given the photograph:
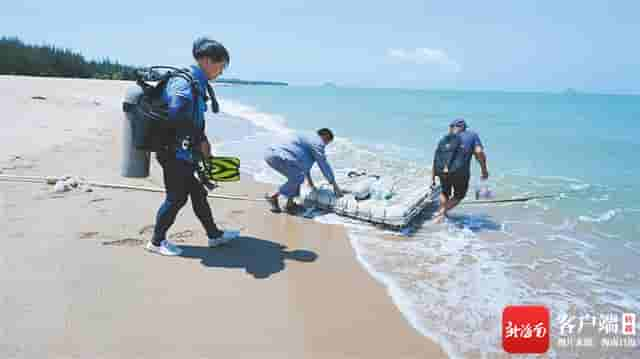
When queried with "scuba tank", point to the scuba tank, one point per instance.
{"points": [[147, 127], [135, 162]]}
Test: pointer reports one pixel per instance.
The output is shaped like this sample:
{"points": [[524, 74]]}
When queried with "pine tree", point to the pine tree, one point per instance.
{"points": [[19, 58]]}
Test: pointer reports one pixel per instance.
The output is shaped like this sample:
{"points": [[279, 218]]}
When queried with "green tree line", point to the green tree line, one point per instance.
{"points": [[18, 58]]}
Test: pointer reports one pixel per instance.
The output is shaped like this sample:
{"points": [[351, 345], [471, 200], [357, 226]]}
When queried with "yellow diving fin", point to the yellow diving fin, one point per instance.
{"points": [[223, 169]]}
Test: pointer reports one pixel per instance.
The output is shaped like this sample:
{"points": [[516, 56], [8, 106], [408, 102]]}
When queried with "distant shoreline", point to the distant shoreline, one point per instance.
{"points": [[21, 59], [246, 82], [220, 81]]}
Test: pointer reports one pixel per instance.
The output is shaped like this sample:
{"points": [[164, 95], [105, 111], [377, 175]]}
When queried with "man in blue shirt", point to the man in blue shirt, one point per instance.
{"points": [[294, 160], [456, 184], [187, 106]]}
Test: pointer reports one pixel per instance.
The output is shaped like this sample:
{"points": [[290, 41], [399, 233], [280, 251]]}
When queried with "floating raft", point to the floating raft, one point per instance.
{"points": [[396, 213]]}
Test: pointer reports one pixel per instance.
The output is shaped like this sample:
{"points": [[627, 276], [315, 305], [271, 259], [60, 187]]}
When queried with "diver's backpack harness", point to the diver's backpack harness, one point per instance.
{"points": [[447, 160], [152, 130]]}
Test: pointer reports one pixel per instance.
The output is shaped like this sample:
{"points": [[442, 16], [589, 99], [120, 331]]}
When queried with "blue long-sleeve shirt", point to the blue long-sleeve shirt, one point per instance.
{"points": [[178, 95], [306, 151]]}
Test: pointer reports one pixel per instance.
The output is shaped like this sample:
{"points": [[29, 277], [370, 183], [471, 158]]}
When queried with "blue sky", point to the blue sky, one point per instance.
{"points": [[499, 45]]}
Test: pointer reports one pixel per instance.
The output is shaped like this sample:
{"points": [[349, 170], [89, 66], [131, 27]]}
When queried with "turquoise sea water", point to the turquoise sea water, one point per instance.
{"points": [[576, 252]]}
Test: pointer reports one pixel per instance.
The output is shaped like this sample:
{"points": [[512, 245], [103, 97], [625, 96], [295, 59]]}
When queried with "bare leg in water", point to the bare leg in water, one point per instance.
{"points": [[438, 217], [446, 205]]}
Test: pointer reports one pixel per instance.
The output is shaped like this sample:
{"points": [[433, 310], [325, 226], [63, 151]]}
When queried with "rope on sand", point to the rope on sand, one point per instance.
{"points": [[520, 199], [48, 180]]}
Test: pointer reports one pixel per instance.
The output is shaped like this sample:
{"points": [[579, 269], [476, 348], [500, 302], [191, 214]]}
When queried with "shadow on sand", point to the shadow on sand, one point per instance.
{"points": [[259, 257]]}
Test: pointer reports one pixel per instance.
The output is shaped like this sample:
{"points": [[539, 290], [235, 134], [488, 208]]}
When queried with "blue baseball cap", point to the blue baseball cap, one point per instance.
{"points": [[458, 123]]}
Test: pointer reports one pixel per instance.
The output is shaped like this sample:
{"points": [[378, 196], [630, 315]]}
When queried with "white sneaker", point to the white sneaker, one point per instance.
{"points": [[165, 248], [226, 237]]}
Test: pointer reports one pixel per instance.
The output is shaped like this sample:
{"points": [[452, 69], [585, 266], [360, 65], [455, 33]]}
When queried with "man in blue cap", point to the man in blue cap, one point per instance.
{"points": [[179, 159], [455, 183]]}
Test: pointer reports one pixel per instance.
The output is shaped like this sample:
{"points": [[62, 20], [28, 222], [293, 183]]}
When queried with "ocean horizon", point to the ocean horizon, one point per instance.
{"points": [[561, 91]]}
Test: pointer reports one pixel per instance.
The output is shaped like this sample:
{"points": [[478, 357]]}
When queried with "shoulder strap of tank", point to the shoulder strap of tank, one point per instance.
{"points": [[195, 89], [172, 72], [215, 107], [457, 142]]}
